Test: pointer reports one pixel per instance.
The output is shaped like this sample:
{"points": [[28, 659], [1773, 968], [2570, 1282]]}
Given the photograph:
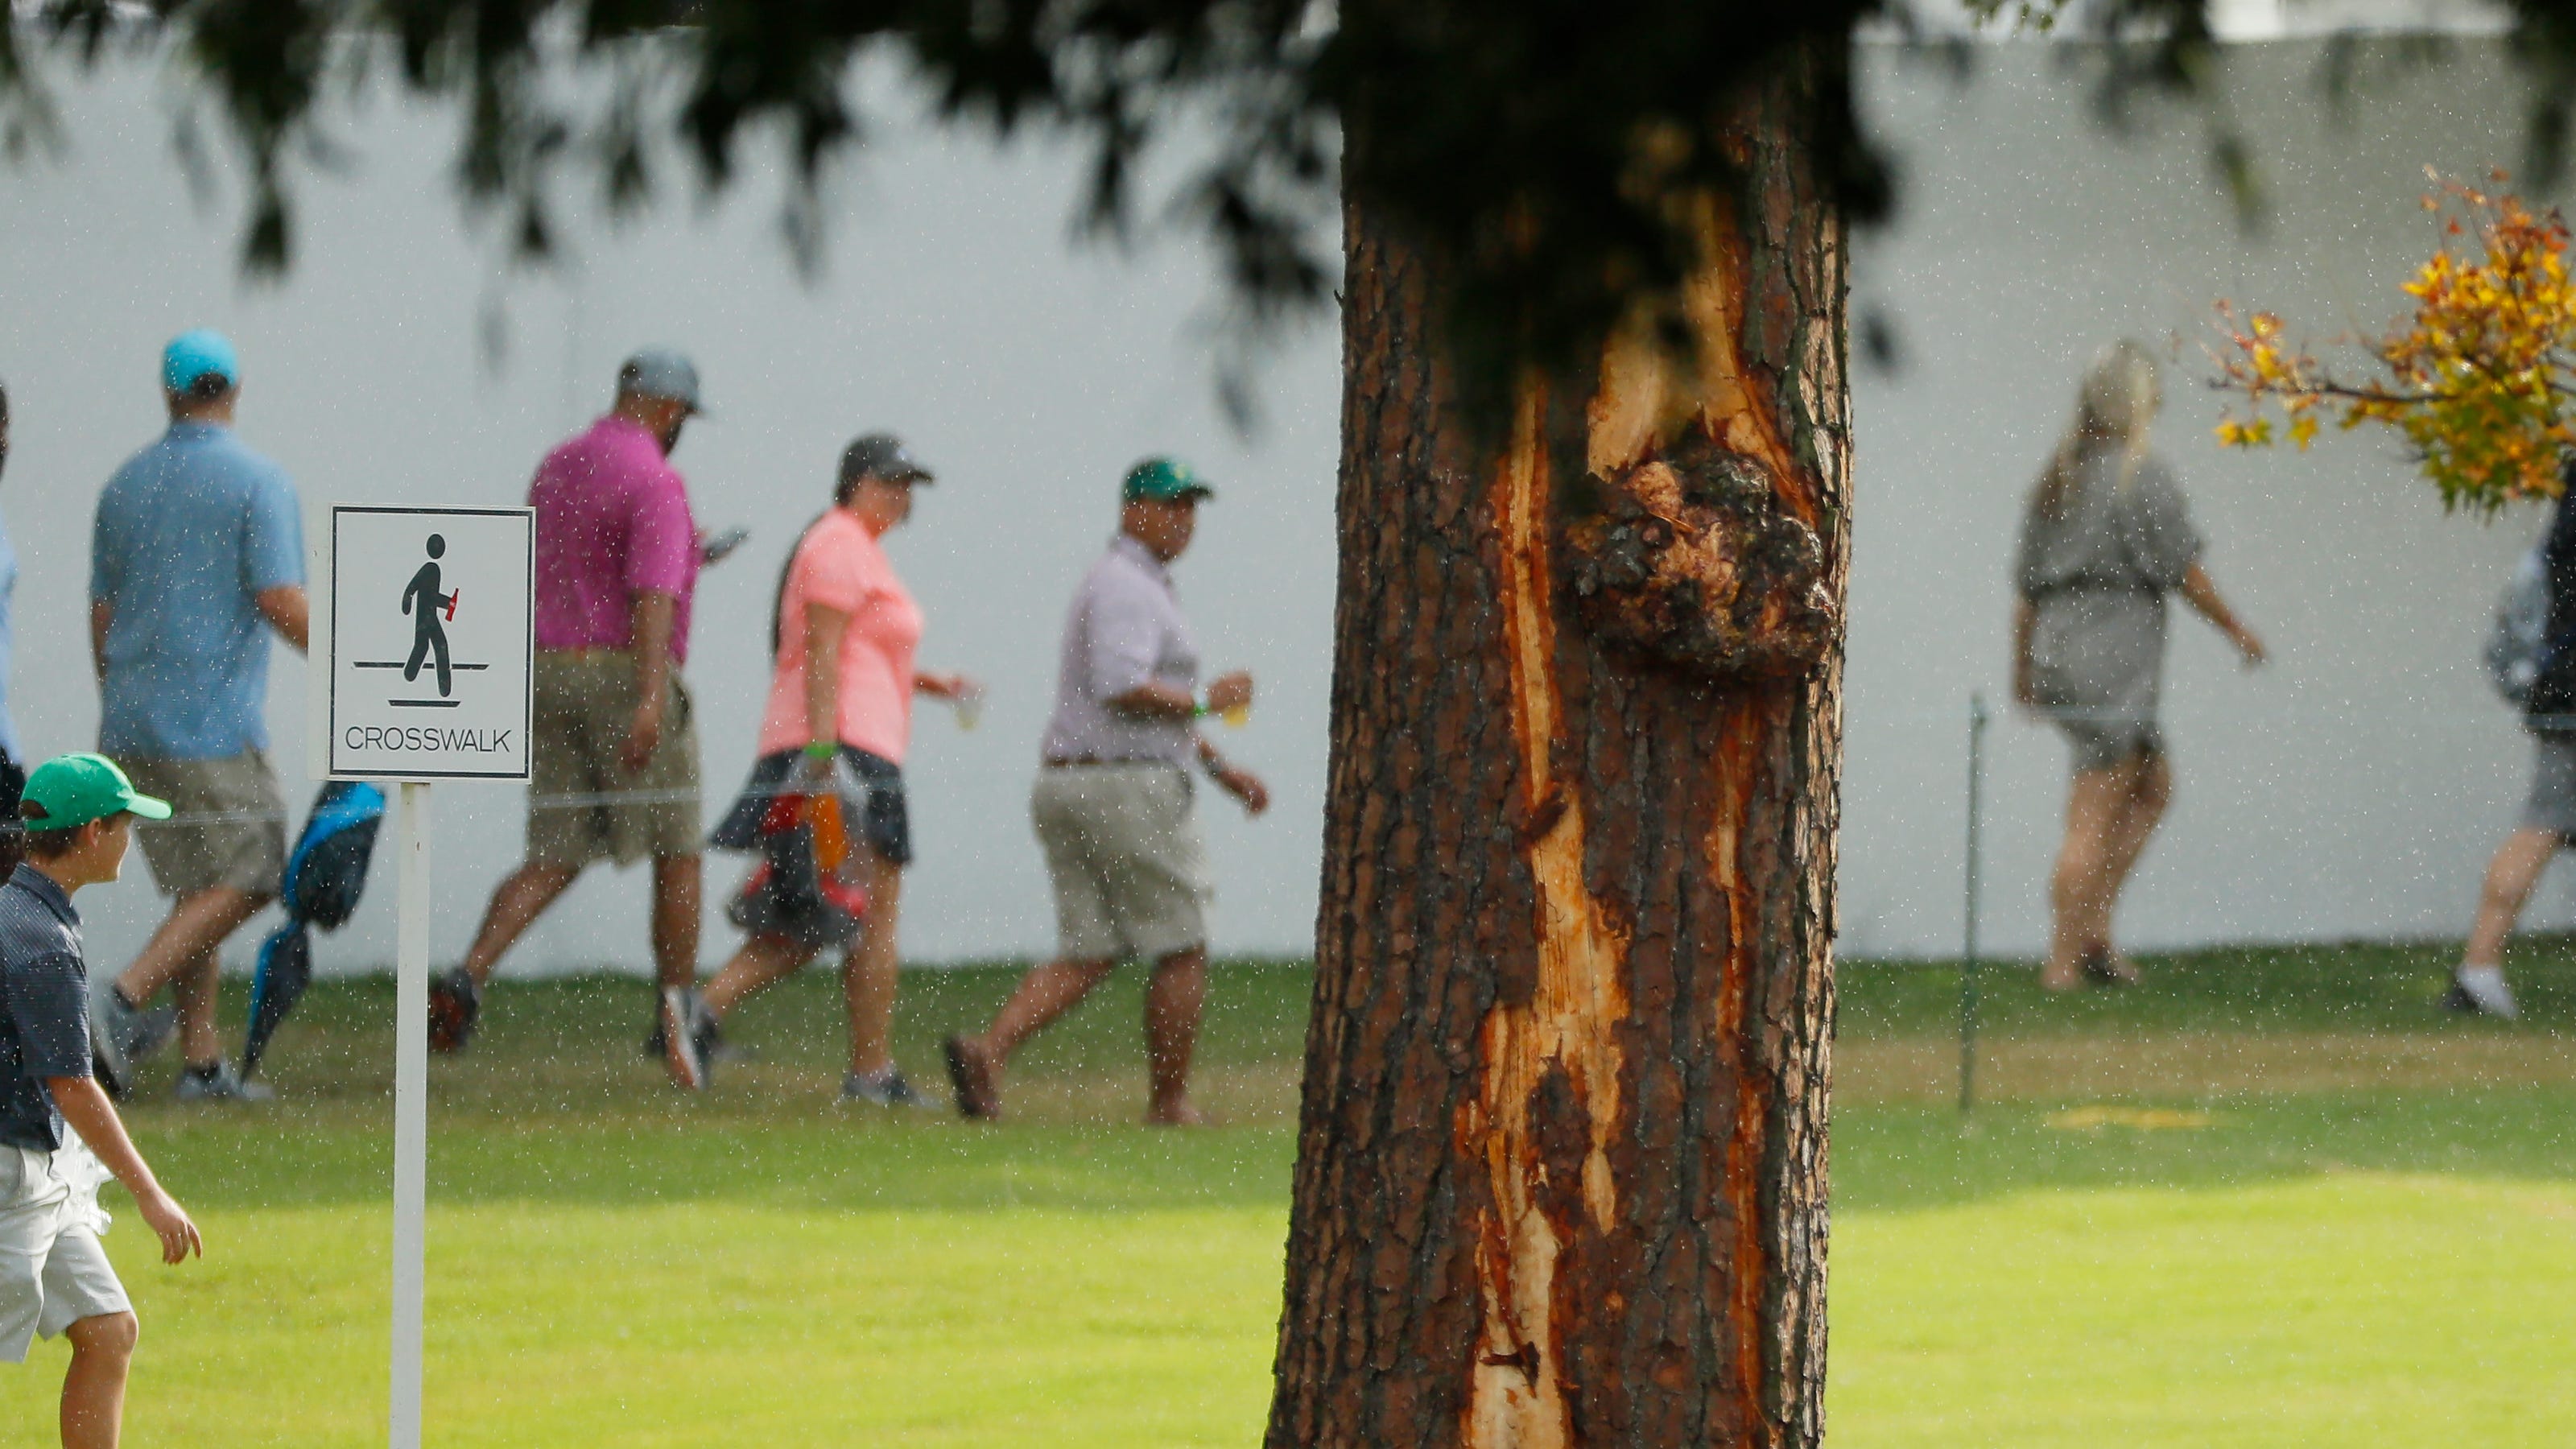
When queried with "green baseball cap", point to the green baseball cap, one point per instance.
{"points": [[1163, 480], [73, 790]]}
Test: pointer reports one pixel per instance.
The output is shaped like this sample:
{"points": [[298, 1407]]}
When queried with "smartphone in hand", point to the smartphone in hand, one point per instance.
{"points": [[714, 547]]}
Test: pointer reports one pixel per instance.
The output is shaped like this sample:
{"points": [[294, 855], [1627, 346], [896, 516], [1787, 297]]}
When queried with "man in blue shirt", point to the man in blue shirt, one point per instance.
{"points": [[196, 556]]}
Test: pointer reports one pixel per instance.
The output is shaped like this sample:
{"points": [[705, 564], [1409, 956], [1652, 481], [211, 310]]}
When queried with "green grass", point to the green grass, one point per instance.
{"points": [[2358, 1309], [2351, 987], [719, 1321], [2366, 1234]]}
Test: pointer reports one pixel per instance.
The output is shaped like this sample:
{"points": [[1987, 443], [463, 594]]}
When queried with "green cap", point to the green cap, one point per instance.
{"points": [[73, 790], [1163, 480]]}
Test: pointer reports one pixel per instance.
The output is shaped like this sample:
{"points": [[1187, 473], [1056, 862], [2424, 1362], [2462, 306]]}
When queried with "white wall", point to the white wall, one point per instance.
{"points": [[2352, 789], [1031, 373]]}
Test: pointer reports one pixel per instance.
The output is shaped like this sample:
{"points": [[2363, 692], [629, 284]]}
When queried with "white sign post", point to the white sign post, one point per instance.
{"points": [[427, 638]]}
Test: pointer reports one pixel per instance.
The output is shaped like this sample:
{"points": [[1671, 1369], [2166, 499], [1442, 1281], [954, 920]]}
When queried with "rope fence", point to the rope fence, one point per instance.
{"points": [[2426, 728], [2417, 724], [579, 801]]}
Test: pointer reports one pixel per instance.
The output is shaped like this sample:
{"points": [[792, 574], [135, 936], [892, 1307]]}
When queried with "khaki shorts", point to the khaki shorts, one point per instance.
{"points": [[53, 1273], [1123, 852], [237, 836], [583, 805]]}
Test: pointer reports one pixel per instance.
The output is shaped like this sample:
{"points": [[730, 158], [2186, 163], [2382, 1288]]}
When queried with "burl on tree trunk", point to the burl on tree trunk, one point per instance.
{"points": [[1561, 1168]]}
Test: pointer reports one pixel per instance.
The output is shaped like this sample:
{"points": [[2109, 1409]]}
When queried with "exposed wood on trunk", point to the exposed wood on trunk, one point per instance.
{"points": [[1549, 1096], [1561, 1174]]}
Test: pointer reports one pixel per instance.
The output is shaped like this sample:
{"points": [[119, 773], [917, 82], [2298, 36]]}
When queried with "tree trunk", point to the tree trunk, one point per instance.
{"points": [[1561, 1167]]}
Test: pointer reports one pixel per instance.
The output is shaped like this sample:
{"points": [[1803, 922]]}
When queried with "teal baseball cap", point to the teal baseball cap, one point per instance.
{"points": [[192, 355], [1163, 480], [73, 790]]}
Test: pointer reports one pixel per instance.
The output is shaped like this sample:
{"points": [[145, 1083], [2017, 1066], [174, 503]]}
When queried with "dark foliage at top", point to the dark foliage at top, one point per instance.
{"points": [[1538, 146]]}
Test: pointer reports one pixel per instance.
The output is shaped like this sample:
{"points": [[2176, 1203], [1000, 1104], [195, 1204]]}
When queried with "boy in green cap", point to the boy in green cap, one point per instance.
{"points": [[54, 1278]]}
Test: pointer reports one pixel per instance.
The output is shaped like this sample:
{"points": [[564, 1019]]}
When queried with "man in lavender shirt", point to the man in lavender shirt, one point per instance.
{"points": [[1113, 805], [616, 770]]}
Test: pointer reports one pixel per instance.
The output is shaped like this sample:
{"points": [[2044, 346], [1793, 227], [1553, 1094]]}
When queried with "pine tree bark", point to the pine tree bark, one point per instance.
{"points": [[1561, 1173]]}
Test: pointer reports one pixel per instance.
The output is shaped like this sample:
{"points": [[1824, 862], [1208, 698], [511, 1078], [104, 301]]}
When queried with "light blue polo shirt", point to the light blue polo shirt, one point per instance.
{"points": [[189, 532]]}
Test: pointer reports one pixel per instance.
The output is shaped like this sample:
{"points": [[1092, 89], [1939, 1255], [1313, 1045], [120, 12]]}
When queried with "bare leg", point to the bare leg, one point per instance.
{"points": [[676, 918], [762, 962], [975, 1062], [516, 904], [197, 924], [2141, 811], [2513, 873], [1047, 992], [868, 973], [94, 1385], [1172, 1002], [195, 990], [2093, 803]]}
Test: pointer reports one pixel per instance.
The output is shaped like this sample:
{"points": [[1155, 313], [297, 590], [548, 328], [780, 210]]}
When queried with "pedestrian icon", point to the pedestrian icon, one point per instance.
{"points": [[425, 603], [431, 611], [421, 684]]}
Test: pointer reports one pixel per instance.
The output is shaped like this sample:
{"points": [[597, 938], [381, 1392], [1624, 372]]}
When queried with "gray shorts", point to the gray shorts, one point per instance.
{"points": [[53, 1273], [229, 827], [2103, 739], [2552, 803], [1123, 853]]}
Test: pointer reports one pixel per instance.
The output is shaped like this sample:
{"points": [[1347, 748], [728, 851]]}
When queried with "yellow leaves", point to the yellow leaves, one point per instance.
{"points": [[2477, 378], [2234, 434]]}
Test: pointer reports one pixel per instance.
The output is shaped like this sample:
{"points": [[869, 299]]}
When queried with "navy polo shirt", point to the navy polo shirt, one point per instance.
{"points": [[44, 1007]]}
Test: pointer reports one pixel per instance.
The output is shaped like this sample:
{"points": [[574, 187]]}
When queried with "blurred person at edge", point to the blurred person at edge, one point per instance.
{"points": [[2106, 537], [2549, 813], [843, 634], [13, 772], [197, 556], [1113, 807], [615, 776]]}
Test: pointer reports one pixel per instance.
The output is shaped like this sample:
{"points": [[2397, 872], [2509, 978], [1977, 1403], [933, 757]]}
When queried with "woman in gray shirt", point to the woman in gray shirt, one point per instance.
{"points": [[2107, 535]]}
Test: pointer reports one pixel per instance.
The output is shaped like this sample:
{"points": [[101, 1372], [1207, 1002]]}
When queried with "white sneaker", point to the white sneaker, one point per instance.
{"points": [[2481, 989], [121, 1035], [220, 1083], [687, 1031]]}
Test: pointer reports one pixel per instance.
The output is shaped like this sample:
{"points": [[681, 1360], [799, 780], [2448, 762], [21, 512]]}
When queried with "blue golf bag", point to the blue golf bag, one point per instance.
{"points": [[325, 874]]}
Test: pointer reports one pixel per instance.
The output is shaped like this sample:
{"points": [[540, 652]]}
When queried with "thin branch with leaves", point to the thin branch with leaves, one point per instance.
{"points": [[2478, 377]]}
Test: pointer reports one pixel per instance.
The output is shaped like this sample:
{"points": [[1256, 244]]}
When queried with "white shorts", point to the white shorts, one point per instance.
{"points": [[53, 1273], [1123, 852]]}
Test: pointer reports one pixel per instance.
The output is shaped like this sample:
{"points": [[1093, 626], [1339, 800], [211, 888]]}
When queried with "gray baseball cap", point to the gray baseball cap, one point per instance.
{"points": [[884, 455], [661, 372]]}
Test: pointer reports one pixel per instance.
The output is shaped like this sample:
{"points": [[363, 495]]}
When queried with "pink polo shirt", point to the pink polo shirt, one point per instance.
{"points": [[840, 566], [613, 521]]}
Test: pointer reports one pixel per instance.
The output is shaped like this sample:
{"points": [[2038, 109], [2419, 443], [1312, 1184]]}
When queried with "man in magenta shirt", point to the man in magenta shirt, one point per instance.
{"points": [[616, 770]]}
